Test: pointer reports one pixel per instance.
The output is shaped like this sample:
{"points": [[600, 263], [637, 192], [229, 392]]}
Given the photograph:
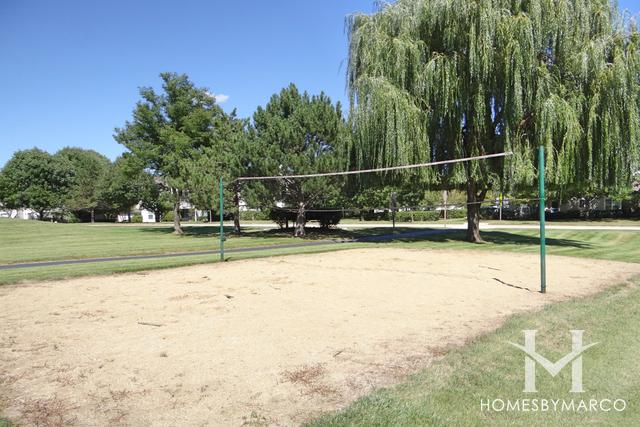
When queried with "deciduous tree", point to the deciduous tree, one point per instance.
{"points": [[230, 156], [35, 179], [126, 184], [169, 130], [89, 168]]}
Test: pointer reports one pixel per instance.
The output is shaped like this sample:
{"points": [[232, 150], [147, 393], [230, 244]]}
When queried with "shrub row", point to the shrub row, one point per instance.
{"points": [[413, 216]]}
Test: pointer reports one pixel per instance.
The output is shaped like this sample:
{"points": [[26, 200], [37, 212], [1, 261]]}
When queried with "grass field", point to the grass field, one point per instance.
{"points": [[31, 241], [43, 241], [610, 245]]}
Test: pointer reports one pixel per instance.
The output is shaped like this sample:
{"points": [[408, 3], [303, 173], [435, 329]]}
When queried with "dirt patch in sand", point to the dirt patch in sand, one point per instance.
{"points": [[267, 341]]}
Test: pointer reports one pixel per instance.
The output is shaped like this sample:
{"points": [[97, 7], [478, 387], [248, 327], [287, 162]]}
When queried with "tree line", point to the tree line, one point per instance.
{"points": [[77, 181], [179, 143], [428, 80]]}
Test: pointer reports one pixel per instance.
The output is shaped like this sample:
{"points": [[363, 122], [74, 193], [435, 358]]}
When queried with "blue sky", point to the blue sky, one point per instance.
{"points": [[70, 70]]}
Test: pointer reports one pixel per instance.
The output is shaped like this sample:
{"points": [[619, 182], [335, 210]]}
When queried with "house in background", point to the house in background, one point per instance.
{"points": [[187, 213], [147, 216], [599, 203], [19, 213]]}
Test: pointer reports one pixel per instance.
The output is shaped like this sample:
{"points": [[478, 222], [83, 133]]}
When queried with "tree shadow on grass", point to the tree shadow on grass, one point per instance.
{"points": [[498, 238], [379, 235], [204, 231], [316, 233], [312, 233]]}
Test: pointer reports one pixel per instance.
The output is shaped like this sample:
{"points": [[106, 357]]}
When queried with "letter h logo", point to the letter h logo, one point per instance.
{"points": [[575, 357]]}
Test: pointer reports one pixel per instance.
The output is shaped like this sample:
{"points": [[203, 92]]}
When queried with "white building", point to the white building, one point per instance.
{"points": [[187, 212], [599, 203], [147, 216], [19, 213]]}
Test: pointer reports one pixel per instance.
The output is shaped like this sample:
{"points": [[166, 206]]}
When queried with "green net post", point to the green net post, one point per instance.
{"points": [[221, 220], [543, 269]]}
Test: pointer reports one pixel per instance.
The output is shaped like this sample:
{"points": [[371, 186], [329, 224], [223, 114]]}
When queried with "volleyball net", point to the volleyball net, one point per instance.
{"points": [[328, 212]]}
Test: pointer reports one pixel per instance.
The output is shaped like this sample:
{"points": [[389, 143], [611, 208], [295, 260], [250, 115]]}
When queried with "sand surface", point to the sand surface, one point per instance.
{"points": [[274, 341]]}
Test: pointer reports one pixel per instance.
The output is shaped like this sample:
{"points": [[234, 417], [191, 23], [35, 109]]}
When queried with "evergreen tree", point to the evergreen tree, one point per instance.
{"points": [[299, 134]]}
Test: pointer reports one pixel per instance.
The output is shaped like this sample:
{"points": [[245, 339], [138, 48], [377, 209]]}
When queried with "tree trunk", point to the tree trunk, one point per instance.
{"points": [[236, 212], [129, 216], [41, 215], [474, 198], [177, 229], [301, 219], [93, 216]]}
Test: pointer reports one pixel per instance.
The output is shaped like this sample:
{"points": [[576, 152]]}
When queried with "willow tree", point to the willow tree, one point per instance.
{"points": [[441, 79]]}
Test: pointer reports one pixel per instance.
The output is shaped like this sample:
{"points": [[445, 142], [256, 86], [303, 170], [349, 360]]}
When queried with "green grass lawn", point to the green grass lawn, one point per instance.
{"points": [[449, 392], [34, 241], [31, 241], [610, 245], [28, 241]]}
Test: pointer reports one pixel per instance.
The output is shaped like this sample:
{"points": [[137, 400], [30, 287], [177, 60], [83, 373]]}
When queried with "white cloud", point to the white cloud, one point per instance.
{"points": [[221, 98]]}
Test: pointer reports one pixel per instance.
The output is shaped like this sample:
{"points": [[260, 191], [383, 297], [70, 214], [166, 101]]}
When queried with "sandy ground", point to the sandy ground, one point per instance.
{"points": [[268, 341]]}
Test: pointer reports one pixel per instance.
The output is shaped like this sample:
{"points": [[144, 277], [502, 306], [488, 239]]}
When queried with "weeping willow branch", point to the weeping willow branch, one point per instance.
{"points": [[437, 79]]}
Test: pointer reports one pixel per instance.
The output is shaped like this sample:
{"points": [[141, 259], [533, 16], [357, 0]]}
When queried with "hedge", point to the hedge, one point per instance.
{"points": [[412, 216], [456, 213], [416, 216]]}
